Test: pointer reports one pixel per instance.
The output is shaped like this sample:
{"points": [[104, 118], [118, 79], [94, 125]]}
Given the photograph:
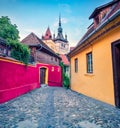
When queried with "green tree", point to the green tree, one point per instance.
{"points": [[10, 33]]}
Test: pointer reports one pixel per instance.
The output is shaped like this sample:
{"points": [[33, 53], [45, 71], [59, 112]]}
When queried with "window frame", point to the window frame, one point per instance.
{"points": [[76, 65], [89, 62]]}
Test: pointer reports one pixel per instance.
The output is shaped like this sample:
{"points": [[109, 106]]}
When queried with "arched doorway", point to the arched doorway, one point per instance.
{"points": [[43, 75]]}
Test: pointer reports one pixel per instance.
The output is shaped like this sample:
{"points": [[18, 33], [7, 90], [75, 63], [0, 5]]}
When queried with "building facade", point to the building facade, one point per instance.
{"points": [[95, 59], [39, 51]]}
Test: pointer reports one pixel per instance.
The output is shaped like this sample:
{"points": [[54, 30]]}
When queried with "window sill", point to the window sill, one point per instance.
{"points": [[89, 74]]}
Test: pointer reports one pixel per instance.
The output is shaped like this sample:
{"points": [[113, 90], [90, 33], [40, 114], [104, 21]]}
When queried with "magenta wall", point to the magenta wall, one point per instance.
{"points": [[17, 79], [54, 76]]}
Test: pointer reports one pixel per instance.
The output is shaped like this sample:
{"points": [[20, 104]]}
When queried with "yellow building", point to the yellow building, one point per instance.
{"points": [[95, 61]]}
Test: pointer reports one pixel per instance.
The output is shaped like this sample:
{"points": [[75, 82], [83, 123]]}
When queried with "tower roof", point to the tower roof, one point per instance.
{"points": [[47, 35], [60, 36]]}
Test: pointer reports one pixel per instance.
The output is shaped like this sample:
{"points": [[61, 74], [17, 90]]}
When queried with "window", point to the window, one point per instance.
{"points": [[89, 63], [103, 15], [76, 65], [97, 20]]}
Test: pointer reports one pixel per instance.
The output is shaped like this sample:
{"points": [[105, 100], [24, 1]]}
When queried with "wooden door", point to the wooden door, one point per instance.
{"points": [[42, 75], [116, 71]]}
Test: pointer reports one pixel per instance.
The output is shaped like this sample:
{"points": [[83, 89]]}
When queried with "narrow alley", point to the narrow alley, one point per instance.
{"points": [[55, 107]]}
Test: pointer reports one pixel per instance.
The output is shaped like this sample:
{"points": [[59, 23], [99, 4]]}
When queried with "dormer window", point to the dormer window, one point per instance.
{"points": [[101, 13], [97, 20]]}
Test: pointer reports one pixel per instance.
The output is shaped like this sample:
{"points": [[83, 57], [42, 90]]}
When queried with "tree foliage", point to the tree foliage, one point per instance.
{"points": [[10, 33]]}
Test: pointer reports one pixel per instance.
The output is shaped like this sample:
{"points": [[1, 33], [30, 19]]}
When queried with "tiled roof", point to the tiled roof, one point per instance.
{"points": [[33, 40], [98, 9], [110, 13], [116, 7], [65, 59], [114, 12]]}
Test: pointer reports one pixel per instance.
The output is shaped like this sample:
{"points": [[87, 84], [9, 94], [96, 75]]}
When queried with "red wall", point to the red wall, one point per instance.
{"points": [[17, 79]]}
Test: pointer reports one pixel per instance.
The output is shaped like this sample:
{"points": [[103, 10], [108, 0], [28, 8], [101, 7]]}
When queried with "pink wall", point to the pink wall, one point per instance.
{"points": [[17, 79], [54, 77]]}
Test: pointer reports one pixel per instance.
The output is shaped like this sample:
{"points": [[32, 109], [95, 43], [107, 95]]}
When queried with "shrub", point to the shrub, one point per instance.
{"points": [[65, 78], [19, 51], [66, 81]]}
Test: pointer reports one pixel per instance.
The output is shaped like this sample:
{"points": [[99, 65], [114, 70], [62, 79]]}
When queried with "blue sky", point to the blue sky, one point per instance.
{"points": [[36, 15]]}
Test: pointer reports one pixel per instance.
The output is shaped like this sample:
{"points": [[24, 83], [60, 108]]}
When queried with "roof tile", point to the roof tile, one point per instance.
{"points": [[65, 59]]}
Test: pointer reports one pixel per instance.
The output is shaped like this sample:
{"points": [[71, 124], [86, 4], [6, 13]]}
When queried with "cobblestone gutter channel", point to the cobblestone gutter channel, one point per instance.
{"points": [[53, 107]]}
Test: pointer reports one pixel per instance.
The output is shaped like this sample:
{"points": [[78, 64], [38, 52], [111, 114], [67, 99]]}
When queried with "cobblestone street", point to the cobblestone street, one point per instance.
{"points": [[53, 107]]}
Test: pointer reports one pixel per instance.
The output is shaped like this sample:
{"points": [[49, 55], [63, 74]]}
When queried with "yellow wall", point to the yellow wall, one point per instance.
{"points": [[98, 85], [51, 45]]}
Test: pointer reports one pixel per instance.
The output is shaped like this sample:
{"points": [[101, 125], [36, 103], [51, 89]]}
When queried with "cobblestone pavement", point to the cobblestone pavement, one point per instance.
{"points": [[53, 107]]}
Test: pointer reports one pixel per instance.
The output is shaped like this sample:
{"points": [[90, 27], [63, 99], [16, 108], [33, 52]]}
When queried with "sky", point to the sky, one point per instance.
{"points": [[36, 15]]}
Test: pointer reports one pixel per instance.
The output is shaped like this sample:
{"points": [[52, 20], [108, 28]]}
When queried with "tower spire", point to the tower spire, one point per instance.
{"points": [[59, 20], [60, 28], [60, 32]]}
